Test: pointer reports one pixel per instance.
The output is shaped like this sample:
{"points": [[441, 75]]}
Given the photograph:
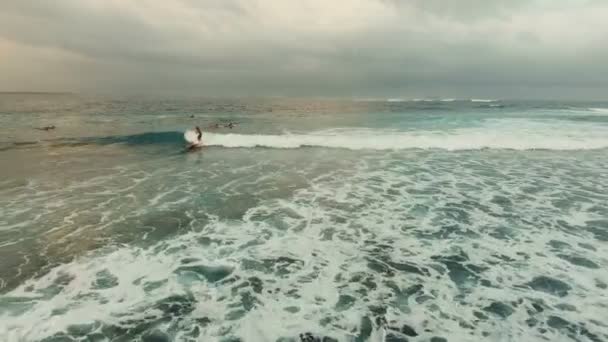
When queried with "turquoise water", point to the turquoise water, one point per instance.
{"points": [[362, 220]]}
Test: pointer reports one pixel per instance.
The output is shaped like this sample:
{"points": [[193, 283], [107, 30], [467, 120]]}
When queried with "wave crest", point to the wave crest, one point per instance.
{"points": [[599, 110], [462, 139]]}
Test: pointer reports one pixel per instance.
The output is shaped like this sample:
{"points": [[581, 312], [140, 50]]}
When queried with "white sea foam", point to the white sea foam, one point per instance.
{"points": [[374, 210], [599, 110], [483, 100], [434, 100], [496, 134]]}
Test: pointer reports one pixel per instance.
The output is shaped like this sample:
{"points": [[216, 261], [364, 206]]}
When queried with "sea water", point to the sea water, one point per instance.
{"points": [[310, 220]]}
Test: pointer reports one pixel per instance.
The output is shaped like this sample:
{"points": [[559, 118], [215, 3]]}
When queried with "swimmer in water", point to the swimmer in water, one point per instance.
{"points": [[46, 128]]}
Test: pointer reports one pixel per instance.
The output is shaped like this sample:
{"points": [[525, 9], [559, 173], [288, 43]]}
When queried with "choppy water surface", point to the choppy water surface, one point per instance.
{"points": [[310, 220]]}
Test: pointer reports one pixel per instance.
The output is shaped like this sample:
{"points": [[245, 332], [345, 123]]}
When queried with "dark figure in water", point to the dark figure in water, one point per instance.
{"points": [[199, 134], [46, 128], [231, 125]]}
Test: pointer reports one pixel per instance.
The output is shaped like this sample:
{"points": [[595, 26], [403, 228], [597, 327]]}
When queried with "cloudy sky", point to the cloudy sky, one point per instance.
{"points": [[454, 48]]}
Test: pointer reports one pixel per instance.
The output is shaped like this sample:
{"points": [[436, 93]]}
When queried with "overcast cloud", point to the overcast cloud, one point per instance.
{"points": [[454, 48]]}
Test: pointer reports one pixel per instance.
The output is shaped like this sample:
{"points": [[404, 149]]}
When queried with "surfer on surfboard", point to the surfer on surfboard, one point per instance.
{"points": [[194, 138], [199, 134]]}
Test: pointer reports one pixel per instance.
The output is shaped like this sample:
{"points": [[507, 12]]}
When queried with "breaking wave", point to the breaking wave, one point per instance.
{"points": [[599, 110], [490, 136]]}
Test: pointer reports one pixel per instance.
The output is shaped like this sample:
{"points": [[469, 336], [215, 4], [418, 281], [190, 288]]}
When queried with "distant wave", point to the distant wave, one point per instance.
{"points": [[434, 100], [599, 110], [139, 139], [453, 100]]}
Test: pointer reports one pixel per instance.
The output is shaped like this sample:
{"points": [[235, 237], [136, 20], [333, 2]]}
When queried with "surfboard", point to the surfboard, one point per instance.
{"points": [[192, 138]]}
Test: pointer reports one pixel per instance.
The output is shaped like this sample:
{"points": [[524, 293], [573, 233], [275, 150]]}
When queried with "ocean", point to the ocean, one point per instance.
{"points": [[309, 220]]}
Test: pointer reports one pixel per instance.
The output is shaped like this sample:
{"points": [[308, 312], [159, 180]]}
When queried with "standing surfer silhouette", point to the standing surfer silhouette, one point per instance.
{"points": [[194, 144], [200, 134]]}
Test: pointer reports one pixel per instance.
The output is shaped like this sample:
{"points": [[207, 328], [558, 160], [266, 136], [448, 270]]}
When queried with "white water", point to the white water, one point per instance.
{"points": [[376, 191], [483, 100], [599, 110], [515, 134]]}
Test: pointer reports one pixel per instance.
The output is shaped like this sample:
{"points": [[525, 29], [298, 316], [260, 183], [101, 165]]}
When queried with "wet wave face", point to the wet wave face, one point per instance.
{"points": [[312, 245]]}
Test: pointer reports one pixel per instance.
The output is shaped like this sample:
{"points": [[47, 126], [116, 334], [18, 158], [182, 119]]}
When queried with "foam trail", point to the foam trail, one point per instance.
{"points": [[461, 139]]}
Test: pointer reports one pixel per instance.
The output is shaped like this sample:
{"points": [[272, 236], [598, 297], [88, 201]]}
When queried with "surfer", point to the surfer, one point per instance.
{"points": [[199, 134], [194, 144]]}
